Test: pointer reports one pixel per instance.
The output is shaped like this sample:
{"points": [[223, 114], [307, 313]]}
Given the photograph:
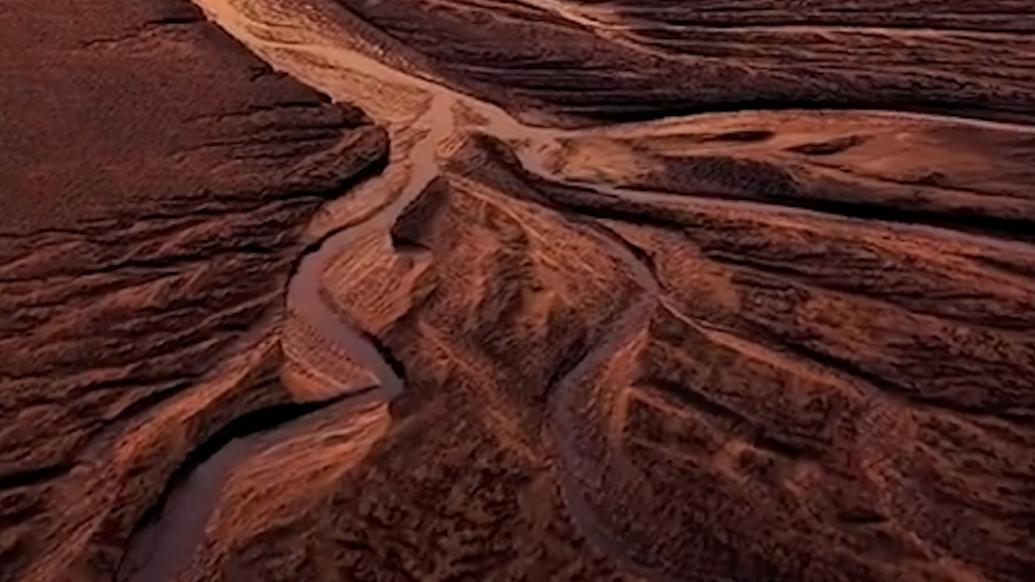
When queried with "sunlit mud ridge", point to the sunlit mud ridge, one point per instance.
{"points": [[793, 342]]}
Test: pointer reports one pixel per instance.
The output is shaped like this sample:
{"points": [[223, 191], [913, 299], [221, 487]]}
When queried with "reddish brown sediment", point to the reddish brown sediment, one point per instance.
{"points": [[156, 183], [722, 339], [661, 290]]}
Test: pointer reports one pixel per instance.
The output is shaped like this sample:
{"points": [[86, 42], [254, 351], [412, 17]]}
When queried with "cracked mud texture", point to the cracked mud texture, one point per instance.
{"points": [[156, 180], [710, 291]]}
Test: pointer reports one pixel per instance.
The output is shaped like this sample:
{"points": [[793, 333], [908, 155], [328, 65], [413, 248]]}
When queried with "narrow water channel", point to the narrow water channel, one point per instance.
{"points": [[299, 38]]}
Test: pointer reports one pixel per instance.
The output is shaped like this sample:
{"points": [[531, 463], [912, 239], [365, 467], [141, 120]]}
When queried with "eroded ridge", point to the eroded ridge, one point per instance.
{"points": [[591, 61], [789, 337], [718, 347], [157, 180]]}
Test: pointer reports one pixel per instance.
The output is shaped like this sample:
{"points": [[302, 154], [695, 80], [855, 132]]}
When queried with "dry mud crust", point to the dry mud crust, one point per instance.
{"points": [[156, 179], [464, 483], [614, 384], [595, 61], [810, 374], [755, 346]]}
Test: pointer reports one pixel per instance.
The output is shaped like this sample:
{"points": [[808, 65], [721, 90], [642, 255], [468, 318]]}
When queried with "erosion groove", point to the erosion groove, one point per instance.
{"points": [[790, 293], [164, 540], [711, 291], [156, 189]]}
